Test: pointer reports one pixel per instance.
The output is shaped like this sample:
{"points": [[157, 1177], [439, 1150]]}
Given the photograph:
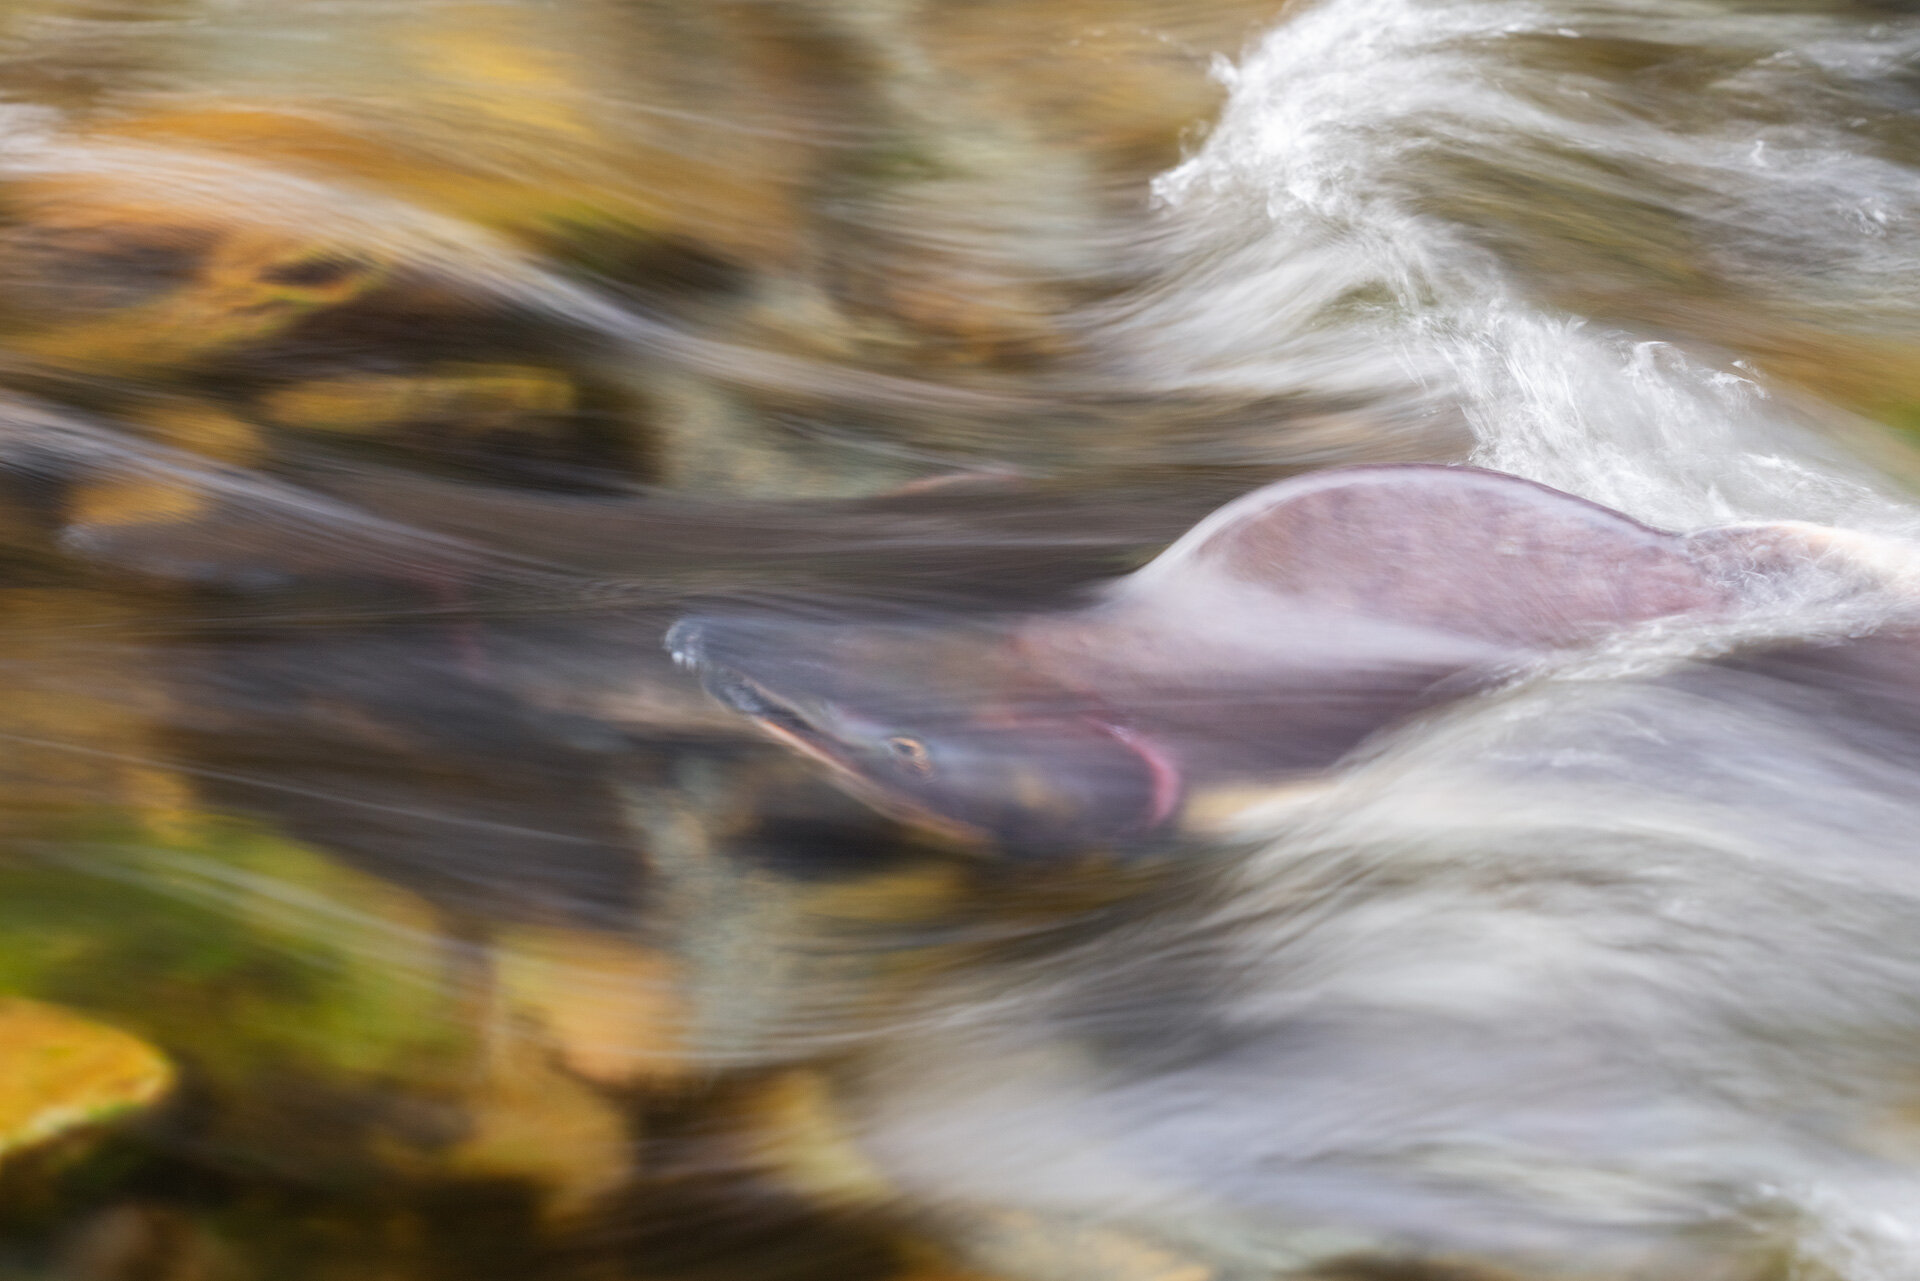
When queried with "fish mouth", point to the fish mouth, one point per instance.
{"points": [[773, 714], [753, 699], [687, 641]]}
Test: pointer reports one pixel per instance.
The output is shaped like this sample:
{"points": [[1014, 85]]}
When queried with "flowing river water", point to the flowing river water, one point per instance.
{"points": [[382, 380]]}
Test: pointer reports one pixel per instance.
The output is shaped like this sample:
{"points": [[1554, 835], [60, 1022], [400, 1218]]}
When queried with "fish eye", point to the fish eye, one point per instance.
{"points": [[912, 753]]}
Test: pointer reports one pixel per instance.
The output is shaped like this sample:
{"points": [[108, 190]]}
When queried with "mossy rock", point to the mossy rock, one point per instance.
{"points": [[315, 1010]]}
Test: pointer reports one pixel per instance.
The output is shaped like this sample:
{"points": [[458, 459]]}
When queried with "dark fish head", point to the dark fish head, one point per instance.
{"points": [[942, 726]]}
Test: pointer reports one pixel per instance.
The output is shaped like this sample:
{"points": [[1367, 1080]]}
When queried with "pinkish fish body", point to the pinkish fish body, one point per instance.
{"points": [[1273, 639]]}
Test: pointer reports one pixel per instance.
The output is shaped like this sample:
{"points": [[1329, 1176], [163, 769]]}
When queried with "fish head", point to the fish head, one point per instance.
{"points": [[944, 726]]}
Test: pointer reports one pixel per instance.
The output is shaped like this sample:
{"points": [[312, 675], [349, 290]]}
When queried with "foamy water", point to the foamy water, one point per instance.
{"points": [[1612, 972], [1316, 250]]}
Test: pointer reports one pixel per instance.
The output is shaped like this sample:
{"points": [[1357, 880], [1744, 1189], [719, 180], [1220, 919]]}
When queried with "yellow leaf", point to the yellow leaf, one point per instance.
{"points": [[61, 1072]]}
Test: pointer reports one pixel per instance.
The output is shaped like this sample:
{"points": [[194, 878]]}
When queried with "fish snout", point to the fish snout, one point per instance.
{"points": [[685, 643]]}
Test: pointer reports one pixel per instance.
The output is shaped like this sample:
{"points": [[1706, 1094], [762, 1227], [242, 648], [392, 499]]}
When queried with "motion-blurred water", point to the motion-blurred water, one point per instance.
{"points": [[380, 381]]}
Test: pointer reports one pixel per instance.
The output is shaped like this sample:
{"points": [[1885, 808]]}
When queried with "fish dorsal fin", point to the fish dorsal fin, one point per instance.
{"points": [[1458, 549]]}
